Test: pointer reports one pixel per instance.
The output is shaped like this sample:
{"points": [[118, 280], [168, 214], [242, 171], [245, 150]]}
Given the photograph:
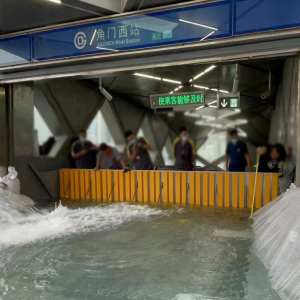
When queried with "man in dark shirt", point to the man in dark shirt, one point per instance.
{"points": [[84, 152], [138, 151], [270, 156], [109, 158], [184, 151], [237, 157]]}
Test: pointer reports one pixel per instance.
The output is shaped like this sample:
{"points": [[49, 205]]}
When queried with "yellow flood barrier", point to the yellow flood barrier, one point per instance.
{"points": [[194, 188]]}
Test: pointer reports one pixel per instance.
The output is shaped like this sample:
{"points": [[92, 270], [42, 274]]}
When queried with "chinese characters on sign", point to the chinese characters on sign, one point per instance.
{"points": [[164, 101], [118, 35]]}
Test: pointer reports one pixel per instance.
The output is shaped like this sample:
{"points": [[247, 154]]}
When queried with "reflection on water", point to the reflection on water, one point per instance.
{"points": [[121, 251]]}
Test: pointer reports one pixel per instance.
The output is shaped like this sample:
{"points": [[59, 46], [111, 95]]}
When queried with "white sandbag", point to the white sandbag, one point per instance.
{"points": [[277, 242]]}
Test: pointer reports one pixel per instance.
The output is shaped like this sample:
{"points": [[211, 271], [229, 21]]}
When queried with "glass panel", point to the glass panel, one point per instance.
{"points": [[257, 15], [182, 25], [167, 159], [214, 147], [15, 51], [41, 127], [98, 131]]}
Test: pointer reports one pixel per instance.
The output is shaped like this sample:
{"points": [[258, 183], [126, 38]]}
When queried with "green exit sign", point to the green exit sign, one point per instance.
{"points": [[180, 99]]}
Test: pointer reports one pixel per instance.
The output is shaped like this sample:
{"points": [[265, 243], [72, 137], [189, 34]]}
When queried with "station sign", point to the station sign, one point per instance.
{"points": [[229, 101], [177, 100]]}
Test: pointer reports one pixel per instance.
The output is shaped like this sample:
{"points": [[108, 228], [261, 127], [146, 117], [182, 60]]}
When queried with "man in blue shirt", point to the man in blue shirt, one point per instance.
{"points": [[237, 157]]}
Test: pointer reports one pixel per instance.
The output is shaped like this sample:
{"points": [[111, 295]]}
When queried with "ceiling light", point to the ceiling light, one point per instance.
{"points": [[222, 91], [56, 1], [215, 90], [210, 68], [209, 124], [199, 75], [93, 37], [211, 132], [208, 117], [197, 24], [201, 87], [207, 36], [146, 76], [242, 132], [236, 111], [176, 90], [212, 102], [171, 92], [180, 87], [212, 106], [200, 107], [237, 122], [169, 80]]}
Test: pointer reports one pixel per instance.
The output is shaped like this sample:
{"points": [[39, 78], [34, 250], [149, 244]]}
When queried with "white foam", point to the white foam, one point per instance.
{"points": [[17, 228]]}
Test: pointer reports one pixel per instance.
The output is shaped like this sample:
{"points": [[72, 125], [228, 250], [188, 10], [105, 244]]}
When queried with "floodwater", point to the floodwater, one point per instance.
{"points": [[128, 251]]}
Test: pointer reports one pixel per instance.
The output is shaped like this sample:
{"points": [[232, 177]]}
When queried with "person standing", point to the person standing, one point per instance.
{"points": [[237, 156], [184, 151], [84, 152], [109, 158], [138, 151], [270, 157]]}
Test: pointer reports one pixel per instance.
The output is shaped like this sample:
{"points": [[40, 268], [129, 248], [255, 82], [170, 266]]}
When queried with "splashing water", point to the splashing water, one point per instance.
{"points": [[22, 225]]}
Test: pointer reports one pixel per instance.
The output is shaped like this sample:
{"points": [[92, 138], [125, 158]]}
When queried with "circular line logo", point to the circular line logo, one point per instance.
{"points": [[80, 40]]}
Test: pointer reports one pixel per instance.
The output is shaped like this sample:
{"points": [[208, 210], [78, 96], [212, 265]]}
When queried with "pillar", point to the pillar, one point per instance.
{"points": [[298, 127], [23, 119], [3, 130]]}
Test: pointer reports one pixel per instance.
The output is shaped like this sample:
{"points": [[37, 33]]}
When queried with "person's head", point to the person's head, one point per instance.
{"points": [[278, 152], [104, 148], [82, 135], [234, 136], [130, 137], [183, 134]]}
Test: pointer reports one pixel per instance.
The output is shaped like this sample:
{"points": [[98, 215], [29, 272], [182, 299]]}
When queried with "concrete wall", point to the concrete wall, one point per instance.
{"points": [[3, 129], [283, 122]]}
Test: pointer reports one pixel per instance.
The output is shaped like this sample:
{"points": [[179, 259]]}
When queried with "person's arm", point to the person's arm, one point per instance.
{"points": [[193, 150], [133, 155], [142, 142], [122, 163], [262, 150], [227, 162], [247, 157], [79, 154], [119, 158], [98, 163]]}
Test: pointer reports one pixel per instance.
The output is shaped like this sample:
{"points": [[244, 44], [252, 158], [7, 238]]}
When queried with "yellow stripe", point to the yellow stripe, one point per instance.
{"points": [[61, 184], [258, 191], [274, 186], [121, 186], [116, 185], [192, 188], [205, 189], [81, 177], [235, 190], [128, 150], [227, 190], [152, 187], [133, 188], [158, 190], [146, 186], [198, 188], [94, 185], [104, 185], [140, 186], [99, 185], [128, 186], [77, 184], [267, 188], [110, 185], [67, 183], [220, 189], [171, 187], [165, 187], [242, 191], [251, 189], [178, 187], [87, 183], [184, 187], [212, 189], [72, 184]]}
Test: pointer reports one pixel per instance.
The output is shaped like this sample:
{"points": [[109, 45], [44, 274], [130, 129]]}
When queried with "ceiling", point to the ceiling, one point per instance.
{"points": [[18, 15], [253, 82]]}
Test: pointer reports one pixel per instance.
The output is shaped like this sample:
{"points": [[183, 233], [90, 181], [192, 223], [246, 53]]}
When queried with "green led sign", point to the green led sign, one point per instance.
{"points": [[229, 101], [180, 99]]}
